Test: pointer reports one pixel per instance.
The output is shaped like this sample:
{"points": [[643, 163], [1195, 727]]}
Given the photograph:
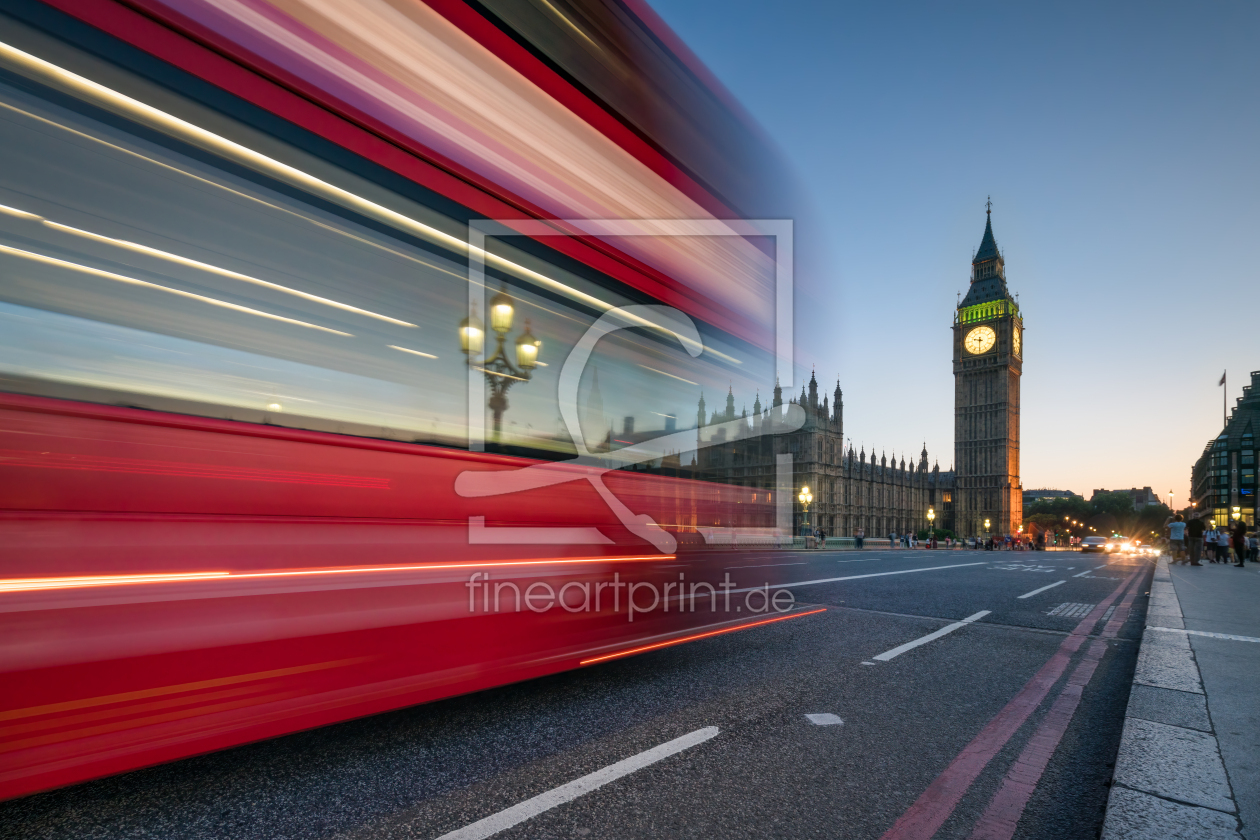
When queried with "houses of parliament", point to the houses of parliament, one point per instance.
{"points": [[854, 490]]}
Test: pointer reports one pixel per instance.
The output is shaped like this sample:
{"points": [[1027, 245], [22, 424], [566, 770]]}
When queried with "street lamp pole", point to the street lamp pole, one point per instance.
{"points": [[931, 518], [805, 497], [500, 373]]}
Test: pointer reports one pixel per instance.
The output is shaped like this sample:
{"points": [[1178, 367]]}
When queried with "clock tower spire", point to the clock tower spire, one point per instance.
{"points": [[988, 364]]}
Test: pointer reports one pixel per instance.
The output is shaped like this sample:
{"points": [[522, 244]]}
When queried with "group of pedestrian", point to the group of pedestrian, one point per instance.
{"points": [[1189, 542], [1009, 542], [905, 540]]}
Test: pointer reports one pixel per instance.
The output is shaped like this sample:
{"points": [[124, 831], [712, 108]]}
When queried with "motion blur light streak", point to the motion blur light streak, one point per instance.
{"points": [[151, 446], [176, 258], [692, 638], [117, 726], [413, 352], [13, 211], [96, 463], [35, 584], [95, 92], [663, 373], [179, 688], [217, 186], [122, 278]]}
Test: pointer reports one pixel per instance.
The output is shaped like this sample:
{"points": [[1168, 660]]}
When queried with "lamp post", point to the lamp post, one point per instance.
{"points": [[931, 517], [500, 373], [1170, 500], [805, 497]]}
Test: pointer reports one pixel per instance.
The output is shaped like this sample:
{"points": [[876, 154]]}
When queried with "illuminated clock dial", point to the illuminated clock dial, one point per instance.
{"points": [[1015, 341], [980, 340]]}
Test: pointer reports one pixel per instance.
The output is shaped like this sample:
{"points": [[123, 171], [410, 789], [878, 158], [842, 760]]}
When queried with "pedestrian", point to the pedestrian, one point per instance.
{"points": [[1209, 543], [1253, 547], [892, 541], [1176, 539], [1194, 540], [859, 538], [1222, 544], [1239, 540], [822, 538]]}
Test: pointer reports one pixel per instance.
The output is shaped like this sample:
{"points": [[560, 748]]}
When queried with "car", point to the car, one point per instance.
{"points": [[1094, 544]]}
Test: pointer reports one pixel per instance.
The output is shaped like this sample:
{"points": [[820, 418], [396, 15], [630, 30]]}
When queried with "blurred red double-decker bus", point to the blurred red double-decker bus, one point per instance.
{"points": [[290, 293]]}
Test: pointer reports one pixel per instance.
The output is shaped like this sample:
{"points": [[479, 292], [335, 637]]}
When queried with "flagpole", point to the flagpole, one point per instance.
{"points": [[1224, 399]]}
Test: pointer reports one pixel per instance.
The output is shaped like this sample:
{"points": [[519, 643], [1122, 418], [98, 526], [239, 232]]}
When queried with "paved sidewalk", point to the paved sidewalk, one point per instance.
{"points": [[1189, 762]]}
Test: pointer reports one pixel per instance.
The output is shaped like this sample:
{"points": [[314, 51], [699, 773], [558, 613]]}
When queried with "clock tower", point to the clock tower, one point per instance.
{"points": [[988, 362]]}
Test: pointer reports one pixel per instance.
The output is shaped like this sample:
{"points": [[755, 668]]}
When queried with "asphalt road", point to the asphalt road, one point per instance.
{"points": [[936, 741]]}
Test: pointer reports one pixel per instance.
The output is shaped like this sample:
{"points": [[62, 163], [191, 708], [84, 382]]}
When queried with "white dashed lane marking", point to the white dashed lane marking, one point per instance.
{"points": [[949, 628], [1090, 571], [1042, 589], [530, 808]]}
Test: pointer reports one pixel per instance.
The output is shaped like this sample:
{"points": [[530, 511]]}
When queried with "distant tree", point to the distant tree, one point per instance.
{"points": [[1073, 507], [1107, 511], [1117, 503]]}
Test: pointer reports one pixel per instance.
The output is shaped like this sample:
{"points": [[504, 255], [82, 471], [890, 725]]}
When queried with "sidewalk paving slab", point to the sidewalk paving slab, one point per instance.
{"points": [[1178, 773], [1164, 705], [1138, 816], [1226, 599], [1174, 762]]}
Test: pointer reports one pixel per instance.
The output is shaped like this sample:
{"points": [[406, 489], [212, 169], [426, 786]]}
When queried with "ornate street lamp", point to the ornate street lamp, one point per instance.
{"points": [[1235, 513], [805, 497], [931, 516], [499, 370]]}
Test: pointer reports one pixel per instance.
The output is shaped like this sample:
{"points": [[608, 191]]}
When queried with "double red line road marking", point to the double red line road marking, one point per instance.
{"points": [[925, 817]]}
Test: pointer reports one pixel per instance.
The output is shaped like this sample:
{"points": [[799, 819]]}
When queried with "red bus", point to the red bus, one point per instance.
{"points": [[248, 349]]}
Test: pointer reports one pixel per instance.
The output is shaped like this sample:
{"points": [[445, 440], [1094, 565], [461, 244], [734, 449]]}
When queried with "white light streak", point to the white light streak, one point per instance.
{"points": [[122, 278], [214, 269], [413, 352]]}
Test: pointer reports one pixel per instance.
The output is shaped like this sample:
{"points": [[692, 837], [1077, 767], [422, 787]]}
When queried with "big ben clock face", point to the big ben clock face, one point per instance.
{"points": [[1016, 341], [980, 340]]}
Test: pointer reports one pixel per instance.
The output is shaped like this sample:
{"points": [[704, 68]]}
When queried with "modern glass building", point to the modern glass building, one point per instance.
{"points": [[1223, 480]]}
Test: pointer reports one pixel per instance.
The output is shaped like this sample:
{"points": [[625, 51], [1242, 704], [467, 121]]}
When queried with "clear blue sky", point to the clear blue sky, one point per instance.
{"points": [[1120, 143]]}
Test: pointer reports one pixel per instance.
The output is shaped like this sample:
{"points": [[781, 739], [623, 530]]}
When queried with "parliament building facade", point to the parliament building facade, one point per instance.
{"points": [[853, 491]]}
